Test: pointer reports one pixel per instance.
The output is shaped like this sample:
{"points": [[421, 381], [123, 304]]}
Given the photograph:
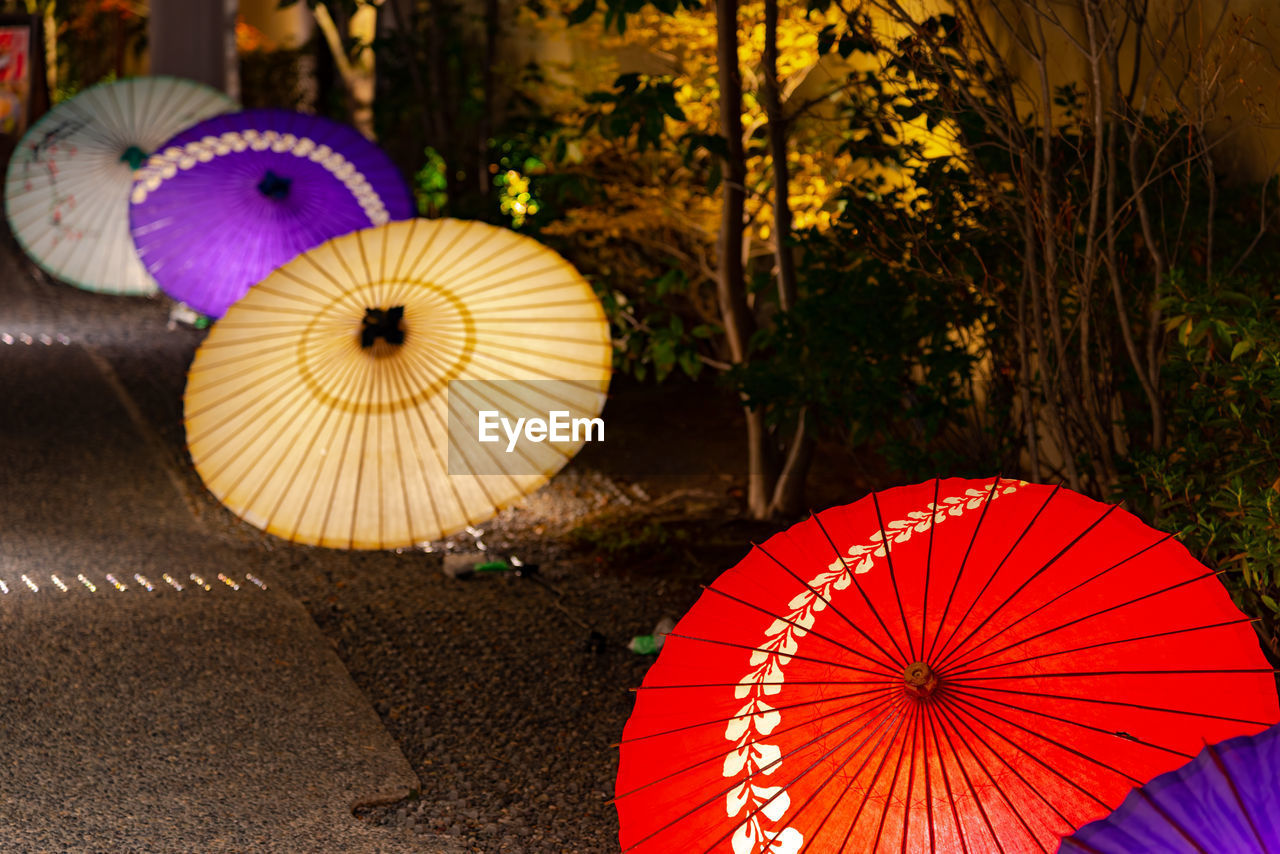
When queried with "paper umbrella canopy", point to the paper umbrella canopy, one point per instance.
{"points": [[225, 202], [68, 183], [1226, 799], [337, 403], [952, 666]]}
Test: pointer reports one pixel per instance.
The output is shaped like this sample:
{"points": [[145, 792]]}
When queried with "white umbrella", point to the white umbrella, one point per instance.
{"points": [[67, 189]]}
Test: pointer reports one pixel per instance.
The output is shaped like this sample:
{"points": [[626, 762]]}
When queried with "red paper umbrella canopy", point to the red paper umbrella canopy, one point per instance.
{"points": [[952, 666]]}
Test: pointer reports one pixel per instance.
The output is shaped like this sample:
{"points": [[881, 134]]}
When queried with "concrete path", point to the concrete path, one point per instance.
{"points": [[157, 694]]}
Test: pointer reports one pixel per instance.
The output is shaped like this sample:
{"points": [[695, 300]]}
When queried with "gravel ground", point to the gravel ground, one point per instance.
{"points": [[493, 687]]}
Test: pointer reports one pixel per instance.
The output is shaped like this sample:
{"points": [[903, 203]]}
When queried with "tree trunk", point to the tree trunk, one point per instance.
{"points": [[788, 492], [731, 289], [358, 74]]}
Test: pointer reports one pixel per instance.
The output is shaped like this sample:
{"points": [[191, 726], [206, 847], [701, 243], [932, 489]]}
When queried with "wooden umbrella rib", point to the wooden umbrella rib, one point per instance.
{"points": [[942, 710], [910, 724], [1125, 704], [325, 414], [962, 707], [968, 658], [398, 380], [973, 792], [763, 769], [784, 708], [893, 579], [399, 454], [1170, 820], [279, 406], [523, 368], [1221, 766], [866, 793], [1049, 602], [268, 389], [891, 713], [466, 279], [1091, 673], [347, 379], [1070, 722], [361, 394], [849, 778], [924, 712], [413, 413], [967, 670], [373, 397], [853, 576], [404, 248], [358, 238], [946, 779], [942, 652], [721, 754], [964, 561], [445, 253], [889, 670], [928, 570], [1027, 581], [570, 280], [969, 704], [819, 682], [750, 648]]}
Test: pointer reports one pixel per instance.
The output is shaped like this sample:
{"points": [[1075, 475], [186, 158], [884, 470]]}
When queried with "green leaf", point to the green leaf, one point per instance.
{"points": [[1271, 603], [582, 12], [1241, 348]]}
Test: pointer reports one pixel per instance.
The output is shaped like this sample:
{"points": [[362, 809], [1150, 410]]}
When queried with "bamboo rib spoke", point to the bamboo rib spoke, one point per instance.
{"points": [[1023, 749], [802, 704], [887, 668], [1026, 582], [763, 769], [853, 576], [893, 579], [976, 709], [859, 710], [829, 604], [797, 656], [835, 801], [967, 670], [1103, 702], [942, 653]]}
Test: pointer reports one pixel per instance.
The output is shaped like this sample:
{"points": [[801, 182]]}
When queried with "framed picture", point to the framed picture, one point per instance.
{"points": [[23, 95]]}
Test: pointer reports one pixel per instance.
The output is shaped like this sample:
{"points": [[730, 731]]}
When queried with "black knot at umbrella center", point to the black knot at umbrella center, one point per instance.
{"points": [[134, 156], [384, 323], [274, 186], [919, 680]]}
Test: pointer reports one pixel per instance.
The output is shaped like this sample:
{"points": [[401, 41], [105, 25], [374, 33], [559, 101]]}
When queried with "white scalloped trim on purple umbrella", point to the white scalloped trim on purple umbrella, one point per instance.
{"points": [[163, 165], [752, 757]]}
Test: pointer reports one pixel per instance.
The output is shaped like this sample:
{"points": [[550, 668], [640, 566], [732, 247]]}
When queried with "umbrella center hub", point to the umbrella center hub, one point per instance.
{"points": [[134, 156], [919, 680], [274, 186], [384, 323]]}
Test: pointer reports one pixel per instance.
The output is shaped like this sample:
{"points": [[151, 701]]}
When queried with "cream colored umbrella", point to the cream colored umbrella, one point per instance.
{"points": [[66, 192], [338, 403]]}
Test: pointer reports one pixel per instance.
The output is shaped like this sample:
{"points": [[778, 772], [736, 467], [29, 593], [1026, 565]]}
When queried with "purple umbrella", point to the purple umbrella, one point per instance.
{"points": [[1226, 799], [228, 200]]}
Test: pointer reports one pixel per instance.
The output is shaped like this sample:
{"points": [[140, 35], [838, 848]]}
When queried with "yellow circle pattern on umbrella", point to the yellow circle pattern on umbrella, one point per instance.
{"points": [[319, 407]]}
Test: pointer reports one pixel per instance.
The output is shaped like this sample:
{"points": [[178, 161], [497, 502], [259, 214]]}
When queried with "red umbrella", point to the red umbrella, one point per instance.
{"points": [[952, 666]]}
